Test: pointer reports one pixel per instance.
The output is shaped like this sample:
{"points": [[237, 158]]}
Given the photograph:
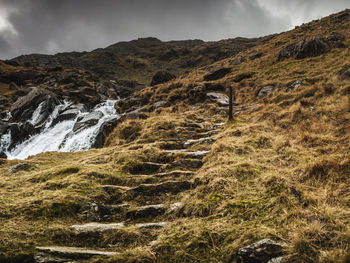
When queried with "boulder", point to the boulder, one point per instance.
{"points": [[260, 252], [294, 84], [24, 107], [88, 120], [314, 47], [85, 95], [19, 167], [219, 98], [302, 48], [104, 131], [255, 55], [46, 108], [69, 114], [264, 91], [217, 73], [162, 77], [237, 61], [336, 39], [160, 104]]}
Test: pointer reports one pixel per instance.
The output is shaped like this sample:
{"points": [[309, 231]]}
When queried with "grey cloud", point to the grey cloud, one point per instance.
{"points": [[48, 26]]}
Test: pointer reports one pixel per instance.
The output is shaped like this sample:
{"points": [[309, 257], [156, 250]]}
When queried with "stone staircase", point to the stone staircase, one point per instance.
{"points": [[147, 204]]}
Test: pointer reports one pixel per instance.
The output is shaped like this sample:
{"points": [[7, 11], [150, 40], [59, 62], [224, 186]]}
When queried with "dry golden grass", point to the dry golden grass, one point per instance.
{"points": [[280, 171]]}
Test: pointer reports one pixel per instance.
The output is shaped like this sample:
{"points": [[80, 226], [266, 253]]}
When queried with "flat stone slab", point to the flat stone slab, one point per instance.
{"points": [[74, 252], [97, 227], [152, 225], [175, 173], [194, 154], [115, 188]]}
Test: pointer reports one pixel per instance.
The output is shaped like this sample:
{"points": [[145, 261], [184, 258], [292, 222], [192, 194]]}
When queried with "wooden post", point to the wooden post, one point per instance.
{"points": [[230, 109]]}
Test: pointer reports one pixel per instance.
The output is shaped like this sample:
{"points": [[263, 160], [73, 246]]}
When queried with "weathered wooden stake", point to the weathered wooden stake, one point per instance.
{"points": [[230, 109]]}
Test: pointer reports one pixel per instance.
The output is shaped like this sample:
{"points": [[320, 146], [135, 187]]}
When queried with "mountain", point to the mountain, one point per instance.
{"points": [[140, 59], [175, 181]]}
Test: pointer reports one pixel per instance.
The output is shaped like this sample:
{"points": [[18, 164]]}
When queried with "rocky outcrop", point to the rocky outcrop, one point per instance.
{"points": [[162, 77], [217, 73], [104, 131], [260, 252], [20, 133], [24, 107], [313, 47]]}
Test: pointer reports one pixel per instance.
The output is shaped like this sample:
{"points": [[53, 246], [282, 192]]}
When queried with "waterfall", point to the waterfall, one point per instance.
{"points": [[63, 136]]}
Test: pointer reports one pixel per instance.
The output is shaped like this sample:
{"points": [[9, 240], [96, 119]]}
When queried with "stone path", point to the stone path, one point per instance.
{"points": [[147, 207]]}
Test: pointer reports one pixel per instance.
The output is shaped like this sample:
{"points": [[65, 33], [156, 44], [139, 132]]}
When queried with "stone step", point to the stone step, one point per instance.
{"points": [[97, 227], [101, 212], [203, 140], [175, 173], [146, 211], [91, 228], [172, 187], [192, 154], [71, 252]]}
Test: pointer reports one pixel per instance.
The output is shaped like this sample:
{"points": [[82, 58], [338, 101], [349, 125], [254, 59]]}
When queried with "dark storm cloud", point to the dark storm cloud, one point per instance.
{"points": [[48, 26]]}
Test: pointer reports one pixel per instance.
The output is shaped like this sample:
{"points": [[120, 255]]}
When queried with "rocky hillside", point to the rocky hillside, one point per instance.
{"points": [[140, 59], [176, 182]]}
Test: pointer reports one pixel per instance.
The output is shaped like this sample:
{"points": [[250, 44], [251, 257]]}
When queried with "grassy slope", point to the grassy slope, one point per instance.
{"points": [[281, 170]]}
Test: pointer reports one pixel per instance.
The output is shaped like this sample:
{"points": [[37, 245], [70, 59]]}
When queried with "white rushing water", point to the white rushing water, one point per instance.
{"points": [[61, 136]]}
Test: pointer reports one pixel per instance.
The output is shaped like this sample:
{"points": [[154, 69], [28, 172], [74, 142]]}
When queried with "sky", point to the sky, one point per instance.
{"points": [[51, 26]]}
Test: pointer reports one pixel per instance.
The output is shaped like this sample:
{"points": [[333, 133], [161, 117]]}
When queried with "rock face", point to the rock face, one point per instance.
{"points": [[260, 252], [217, 73], [302, 48], [21, 132], [104, 131], [162, 77], [24, 107]]}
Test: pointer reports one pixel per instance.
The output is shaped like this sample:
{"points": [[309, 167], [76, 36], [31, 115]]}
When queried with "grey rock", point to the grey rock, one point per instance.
{"points": [[88, 120], [74, 252], [264, 91], [69, 114], [217, 73], [19, 167], [97, 227], [105, 129], [237, 61], [255, 55], [198, 141], [21, 132], [276, 260], [160, 104], [219, 98], [24, 107], [260, 252], [294, 84], [152, 225]]}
